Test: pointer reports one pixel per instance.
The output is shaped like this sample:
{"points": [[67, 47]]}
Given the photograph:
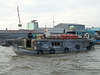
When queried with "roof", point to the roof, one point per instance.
{"points": [[64, 25]]}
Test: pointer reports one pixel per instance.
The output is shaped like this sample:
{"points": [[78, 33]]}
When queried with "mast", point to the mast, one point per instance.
{"points": [[20, 25]]}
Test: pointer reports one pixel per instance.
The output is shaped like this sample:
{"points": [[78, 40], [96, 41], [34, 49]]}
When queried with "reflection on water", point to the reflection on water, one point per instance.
{"points": [[77, 63]]}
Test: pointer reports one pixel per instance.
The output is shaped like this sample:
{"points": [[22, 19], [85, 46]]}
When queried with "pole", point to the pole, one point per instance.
{"points": [[53, 23]]}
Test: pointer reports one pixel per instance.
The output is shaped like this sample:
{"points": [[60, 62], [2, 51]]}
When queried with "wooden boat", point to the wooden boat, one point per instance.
{"points": [[51, 46]]}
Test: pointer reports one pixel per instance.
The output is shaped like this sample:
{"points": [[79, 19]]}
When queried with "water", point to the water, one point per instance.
{"points": [[73, 63]]}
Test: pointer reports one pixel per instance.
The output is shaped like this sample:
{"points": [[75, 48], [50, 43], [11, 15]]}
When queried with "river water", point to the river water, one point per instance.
{"points": [[72, 63]]}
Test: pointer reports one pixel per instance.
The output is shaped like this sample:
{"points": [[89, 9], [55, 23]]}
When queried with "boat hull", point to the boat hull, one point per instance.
{"points": [[21, 51], [52, 46]]}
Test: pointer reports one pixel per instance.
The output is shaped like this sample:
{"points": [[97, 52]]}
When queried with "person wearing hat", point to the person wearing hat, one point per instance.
{"points": [[46, 34]]}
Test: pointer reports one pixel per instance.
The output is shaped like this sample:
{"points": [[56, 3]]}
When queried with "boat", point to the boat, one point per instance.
{"points": [[55, 44], [97, 38]]}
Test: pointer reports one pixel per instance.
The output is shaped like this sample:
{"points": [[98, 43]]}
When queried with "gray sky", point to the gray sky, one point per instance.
{"points": [[85, 12]]}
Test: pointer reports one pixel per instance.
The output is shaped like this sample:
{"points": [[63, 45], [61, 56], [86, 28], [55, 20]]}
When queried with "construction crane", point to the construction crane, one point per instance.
{"points": [[20, 25]]}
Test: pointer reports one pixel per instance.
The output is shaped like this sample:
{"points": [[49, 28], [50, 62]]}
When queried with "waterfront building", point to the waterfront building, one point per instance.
{"points": [[61, 26], [32, 25], [67, 26]]}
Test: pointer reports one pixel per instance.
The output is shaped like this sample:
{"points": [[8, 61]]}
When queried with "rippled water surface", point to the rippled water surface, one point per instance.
{"points": [[72, 63]]}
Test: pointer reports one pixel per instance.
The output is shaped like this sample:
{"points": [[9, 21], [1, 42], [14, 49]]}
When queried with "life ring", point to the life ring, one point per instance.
{"points": [[66, 50], [87, 35], [52, 51], [77, 47], [39, 51]]}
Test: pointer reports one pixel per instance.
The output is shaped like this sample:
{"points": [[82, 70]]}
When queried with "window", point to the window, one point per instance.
{"points": [[56, 44]]}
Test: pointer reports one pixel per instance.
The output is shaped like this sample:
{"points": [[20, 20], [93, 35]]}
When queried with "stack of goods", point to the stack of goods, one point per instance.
{"points": [[65, 36], [54, 36], [39, 36]]}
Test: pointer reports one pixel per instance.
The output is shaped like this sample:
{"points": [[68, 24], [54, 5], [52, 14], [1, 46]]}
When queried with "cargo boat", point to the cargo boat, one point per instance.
{"points": [[52, 45]]}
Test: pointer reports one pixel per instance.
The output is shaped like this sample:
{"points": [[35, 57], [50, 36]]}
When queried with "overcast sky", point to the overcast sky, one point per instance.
{"points": [[85, 12]]}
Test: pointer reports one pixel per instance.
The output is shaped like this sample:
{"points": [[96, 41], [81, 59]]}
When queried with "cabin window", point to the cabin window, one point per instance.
{"points": [[52, 43], [56, 44]]}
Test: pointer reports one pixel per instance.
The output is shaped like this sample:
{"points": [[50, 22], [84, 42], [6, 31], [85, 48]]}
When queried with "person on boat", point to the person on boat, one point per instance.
{"points": [[46, 33], [30, 36], [63, 31]]}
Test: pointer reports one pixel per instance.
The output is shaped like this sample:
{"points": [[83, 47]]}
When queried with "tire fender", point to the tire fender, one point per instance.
{"points": [[77, 47], [88, 48], [39, 51], [52, 51], [66, 50]]}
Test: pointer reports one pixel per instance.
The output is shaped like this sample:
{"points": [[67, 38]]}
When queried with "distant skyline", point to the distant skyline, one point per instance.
{"points": [[84, 12]]}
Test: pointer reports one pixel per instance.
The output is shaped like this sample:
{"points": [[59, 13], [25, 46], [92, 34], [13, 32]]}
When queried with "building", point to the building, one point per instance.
{"points": [[32, 25], [60, 27], [67, 26]]}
